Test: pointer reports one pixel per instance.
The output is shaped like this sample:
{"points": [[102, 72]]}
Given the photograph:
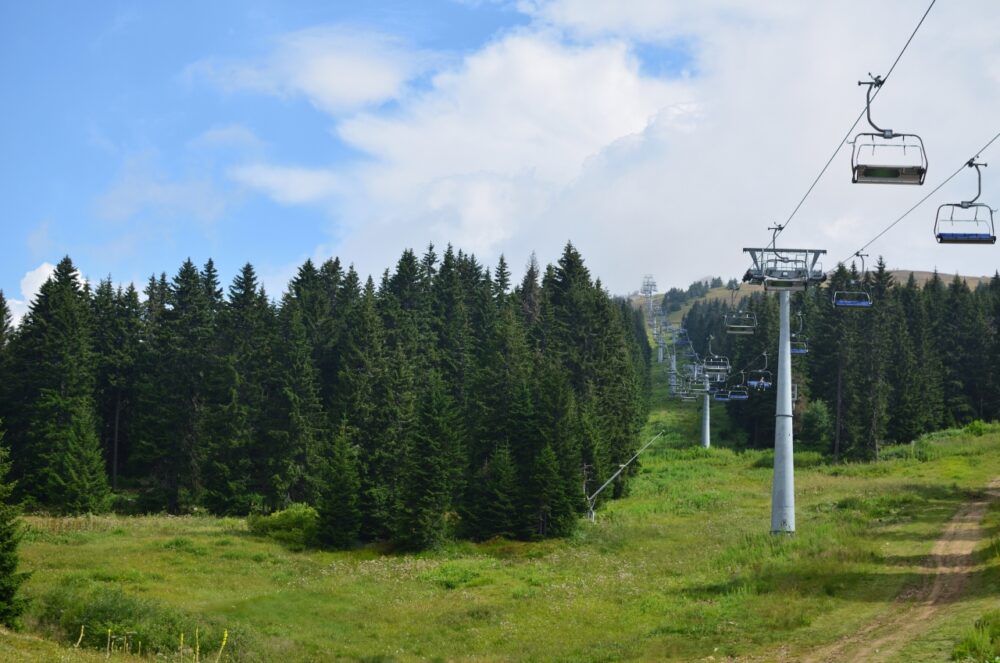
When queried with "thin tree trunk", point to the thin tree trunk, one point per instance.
{"points": [[114, 444], [836, 434]]}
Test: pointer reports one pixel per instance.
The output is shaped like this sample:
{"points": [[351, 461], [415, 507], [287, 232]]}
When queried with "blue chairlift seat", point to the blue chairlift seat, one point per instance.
{"points": [[721, 396], [799, 348], [964, 223], [852, 299], [738, 394], [966, 238]]}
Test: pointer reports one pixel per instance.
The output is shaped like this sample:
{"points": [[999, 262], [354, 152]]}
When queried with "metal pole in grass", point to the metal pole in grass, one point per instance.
{"points": [[591, 499], [783, 488], [706, 418]]}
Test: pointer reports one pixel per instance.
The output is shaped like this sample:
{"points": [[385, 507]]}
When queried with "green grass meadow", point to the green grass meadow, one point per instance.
{"points": [[683, 568]]}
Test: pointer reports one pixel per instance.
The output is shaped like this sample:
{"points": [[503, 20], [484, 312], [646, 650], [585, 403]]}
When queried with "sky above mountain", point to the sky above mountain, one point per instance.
{"points": [[658, 136]]}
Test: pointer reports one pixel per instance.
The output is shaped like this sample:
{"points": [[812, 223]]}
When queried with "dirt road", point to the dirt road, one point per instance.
{"points": [[948, 568]]}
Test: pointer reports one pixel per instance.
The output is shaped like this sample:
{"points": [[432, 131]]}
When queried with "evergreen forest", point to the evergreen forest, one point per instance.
{"points": [[921, 359], [443, 401]]}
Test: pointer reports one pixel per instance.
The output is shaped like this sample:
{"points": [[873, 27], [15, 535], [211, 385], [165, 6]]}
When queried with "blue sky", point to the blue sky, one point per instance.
{"points": [[94, 91], [137, 134]]}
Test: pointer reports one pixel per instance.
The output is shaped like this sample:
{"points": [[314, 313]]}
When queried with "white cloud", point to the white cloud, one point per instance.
{"points": [[649, 19], [140, 187], [230, 135], [30, 284], [289, 185], [555, 131], [479, 157], [336, 68]]}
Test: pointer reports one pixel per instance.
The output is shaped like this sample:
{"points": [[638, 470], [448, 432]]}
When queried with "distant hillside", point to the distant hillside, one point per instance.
{"points": [[899, 276], [675, 317], [902, 275]]}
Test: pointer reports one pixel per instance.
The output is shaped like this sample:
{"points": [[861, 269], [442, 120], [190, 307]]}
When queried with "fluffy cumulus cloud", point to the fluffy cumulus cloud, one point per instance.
{"points": [[562, 130], [481, 156], [30, 284]]}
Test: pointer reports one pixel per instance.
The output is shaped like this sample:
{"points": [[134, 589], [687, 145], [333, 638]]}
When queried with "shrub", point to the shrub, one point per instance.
{"points": [[817, 427], [982, 643], [294, 526], [802, 459], [101, 607], [978, 428]]}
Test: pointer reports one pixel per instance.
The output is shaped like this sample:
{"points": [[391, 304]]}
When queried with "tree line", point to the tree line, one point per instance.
{"points": [[922, 358], [441, 401]]}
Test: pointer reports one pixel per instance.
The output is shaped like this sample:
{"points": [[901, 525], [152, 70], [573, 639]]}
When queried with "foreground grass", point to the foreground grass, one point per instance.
{"points": [[683, 568]]}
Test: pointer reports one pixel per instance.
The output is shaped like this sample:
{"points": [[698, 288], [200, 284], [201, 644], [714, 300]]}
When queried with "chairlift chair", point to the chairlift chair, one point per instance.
{"points": [[715, 366], [741, 323], [852, 299], [967, 222], [722, 396], [884, 156], [739, 392], [859, 298], [798, 344], [761, 380]]}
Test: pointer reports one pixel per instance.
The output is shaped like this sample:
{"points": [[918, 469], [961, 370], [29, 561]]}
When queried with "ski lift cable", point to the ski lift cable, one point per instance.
{"points": [[924, 199], [621, 469], [843, 140]]}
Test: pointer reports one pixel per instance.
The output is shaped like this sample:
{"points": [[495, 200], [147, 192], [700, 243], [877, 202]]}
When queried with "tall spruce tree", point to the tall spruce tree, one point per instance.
{"points": [[12, 602], [339, 511], [117, 327], [169, 448], [241, 376], [53, 429], [299, 426], [424, 490]]}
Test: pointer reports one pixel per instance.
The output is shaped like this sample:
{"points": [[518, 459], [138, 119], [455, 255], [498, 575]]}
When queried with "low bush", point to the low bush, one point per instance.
{"points": [[294, 526], [802, 459], [105, 608], [982, 643]]}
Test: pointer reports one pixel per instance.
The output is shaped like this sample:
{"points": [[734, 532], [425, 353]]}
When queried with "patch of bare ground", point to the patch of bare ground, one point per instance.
{"points": [[947, 571]]}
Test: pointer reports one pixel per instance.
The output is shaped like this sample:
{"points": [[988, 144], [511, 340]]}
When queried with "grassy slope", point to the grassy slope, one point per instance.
{"points": [[683, 568]]}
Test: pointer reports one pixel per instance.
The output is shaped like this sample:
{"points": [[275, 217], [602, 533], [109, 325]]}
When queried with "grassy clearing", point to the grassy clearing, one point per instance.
{"points": [[682, 569]]}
